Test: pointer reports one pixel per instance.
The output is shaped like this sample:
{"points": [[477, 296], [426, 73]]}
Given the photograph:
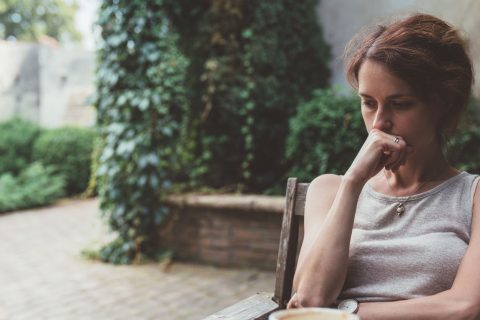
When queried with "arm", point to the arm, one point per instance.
{"points": [[328, 227], [329, 214], [462, 301]]}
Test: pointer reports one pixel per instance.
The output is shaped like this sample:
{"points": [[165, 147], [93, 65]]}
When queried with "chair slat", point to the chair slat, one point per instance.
{"points": [[301, 195], [258, 307], [287, 247]]}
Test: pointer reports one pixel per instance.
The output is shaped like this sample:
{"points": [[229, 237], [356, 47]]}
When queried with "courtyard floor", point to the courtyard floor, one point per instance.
{"points": [[44, 276]]}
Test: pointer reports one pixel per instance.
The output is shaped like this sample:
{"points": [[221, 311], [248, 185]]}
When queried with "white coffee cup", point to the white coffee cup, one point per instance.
{"points": [[312, 314]]}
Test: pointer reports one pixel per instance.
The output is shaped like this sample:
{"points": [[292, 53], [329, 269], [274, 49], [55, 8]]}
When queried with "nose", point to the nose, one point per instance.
{"points": [[382, 120]]}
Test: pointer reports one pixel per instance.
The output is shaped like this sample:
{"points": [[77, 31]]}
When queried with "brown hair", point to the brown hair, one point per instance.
{"points": [[425, 52]]}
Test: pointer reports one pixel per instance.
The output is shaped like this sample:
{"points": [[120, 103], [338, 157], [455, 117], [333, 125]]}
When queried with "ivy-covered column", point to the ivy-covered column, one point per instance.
{"points": [[141, 102]]}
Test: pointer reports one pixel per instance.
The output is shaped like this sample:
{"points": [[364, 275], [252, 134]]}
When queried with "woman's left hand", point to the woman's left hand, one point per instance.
{"points": [[294, 302]]}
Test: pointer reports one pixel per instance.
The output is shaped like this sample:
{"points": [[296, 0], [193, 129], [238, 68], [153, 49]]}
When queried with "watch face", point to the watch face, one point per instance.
{"points": [[349, 305]]}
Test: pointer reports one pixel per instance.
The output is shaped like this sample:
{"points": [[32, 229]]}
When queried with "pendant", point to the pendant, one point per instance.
{"points": [[400, 209]]}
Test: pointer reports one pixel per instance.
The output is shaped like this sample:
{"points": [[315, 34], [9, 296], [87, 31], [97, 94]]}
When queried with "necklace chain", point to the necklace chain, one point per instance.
{"points": [[400, 209]]}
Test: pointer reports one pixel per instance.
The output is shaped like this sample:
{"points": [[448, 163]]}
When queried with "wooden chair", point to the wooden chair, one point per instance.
{"points": [[262, 304]]}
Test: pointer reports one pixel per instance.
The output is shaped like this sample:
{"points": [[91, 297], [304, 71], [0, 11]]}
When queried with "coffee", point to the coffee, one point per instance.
{"points": [[312, 314]]}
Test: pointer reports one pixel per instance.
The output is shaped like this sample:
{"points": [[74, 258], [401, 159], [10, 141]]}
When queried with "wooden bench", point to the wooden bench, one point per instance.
{"points": [[260, 306]]}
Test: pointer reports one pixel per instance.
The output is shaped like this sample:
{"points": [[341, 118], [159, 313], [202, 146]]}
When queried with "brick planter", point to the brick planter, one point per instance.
{"points": [[224, 230]]}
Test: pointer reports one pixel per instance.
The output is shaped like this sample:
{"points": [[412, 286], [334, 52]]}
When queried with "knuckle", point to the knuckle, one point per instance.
{"points": [[374, 133], [377, 142]]}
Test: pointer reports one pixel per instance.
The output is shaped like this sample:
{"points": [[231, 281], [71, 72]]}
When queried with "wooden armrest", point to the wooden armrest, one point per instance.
{"points": [[258, 306]]}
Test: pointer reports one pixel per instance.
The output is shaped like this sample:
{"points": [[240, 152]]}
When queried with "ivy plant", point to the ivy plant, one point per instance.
{"points": [[141, 101], [251, 64]]}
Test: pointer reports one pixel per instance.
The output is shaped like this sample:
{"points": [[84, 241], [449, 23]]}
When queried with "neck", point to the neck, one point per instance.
{"points": [[419, 170]]}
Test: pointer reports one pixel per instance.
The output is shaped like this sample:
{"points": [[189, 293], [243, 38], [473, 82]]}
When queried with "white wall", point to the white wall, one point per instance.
{"points": [[19, 85], [341, 19], [47, 84], [67, 79]]}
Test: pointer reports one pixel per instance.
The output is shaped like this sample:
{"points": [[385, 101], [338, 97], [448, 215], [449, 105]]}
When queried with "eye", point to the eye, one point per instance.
{"points": [[368, 103], [401, 104]]}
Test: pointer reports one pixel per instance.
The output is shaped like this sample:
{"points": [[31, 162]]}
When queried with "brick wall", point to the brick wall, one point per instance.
{"points": [[234, 233]]}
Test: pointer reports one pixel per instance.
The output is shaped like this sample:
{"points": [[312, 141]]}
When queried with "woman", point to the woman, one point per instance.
{"points": [[398, 236]]}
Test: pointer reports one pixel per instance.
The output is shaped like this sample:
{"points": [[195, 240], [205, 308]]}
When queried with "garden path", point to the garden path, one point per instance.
{"points": [[43, 275]]}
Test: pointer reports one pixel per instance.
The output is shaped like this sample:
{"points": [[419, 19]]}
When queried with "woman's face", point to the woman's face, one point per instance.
{"points": [[389, 104]]}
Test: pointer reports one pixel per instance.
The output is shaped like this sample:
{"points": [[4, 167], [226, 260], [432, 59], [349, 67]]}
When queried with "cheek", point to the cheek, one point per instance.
{"points": [[422, 131]]}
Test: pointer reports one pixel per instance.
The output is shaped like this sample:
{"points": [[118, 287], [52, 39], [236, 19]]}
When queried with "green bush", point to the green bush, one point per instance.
{"points": [[68, 151], [251, 63], [325, 135], [462, 148], [16, 140], [35, 186]]}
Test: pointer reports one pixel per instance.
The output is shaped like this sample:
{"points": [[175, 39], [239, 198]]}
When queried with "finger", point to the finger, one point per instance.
{"points": [[389, 143], [398, 155], [394, 157], [292, 304], [395, 160], [401, 160], [289, 305], [402, 156]]}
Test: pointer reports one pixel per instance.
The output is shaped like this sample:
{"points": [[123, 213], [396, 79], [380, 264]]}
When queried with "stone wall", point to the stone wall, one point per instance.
{"points": [[226, 231], [46, 84], [19, 83], [67, 80]]}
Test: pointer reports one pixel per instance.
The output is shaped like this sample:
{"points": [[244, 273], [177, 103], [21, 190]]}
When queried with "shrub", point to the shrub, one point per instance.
{"points": [[252, 62], [325, 135], [16, 140], [35, 186], [68, 151], [462, 148]]}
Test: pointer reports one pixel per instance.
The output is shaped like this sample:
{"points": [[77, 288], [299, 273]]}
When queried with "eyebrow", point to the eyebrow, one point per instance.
{"points": [[393, 96]]}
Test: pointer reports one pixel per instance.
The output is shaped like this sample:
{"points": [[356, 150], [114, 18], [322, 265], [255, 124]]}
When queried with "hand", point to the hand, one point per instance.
{"points": [[379, 151], [294, 303]]}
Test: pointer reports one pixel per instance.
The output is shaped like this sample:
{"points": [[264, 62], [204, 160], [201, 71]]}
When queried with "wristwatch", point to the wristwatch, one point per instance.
{"points": [[348, 305]]}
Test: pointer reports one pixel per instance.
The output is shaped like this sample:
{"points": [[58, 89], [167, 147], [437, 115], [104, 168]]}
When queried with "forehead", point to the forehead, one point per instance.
{"points": [[376, 79]]}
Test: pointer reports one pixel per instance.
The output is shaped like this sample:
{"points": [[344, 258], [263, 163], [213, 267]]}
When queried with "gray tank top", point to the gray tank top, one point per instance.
{"points": [[413, 255]]}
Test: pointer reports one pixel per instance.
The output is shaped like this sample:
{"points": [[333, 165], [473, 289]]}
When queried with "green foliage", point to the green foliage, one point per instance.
{"points": [[27, 20], [325, 135], [16, 140], [94, 163], [462, 148], [68, 151], [252, 62], [35, 186], [141, 103]]}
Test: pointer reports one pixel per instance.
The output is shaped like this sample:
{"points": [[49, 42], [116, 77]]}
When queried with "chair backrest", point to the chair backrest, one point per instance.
{"points": [[290, 240]]}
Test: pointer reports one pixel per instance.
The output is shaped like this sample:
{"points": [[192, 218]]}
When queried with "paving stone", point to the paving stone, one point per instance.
{"points": [[43, 275]]}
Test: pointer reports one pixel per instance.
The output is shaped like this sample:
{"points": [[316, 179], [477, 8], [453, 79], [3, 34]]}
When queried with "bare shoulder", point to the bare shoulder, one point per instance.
{"points": [[320, 196], [324, 186]]}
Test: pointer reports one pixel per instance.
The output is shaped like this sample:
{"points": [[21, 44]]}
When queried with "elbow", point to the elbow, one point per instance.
{"points": [[312, 297], [313, 293], [466, 310]]}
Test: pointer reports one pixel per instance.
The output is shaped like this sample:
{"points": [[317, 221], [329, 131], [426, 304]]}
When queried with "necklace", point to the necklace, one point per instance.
{"points": [[400, 209]]}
